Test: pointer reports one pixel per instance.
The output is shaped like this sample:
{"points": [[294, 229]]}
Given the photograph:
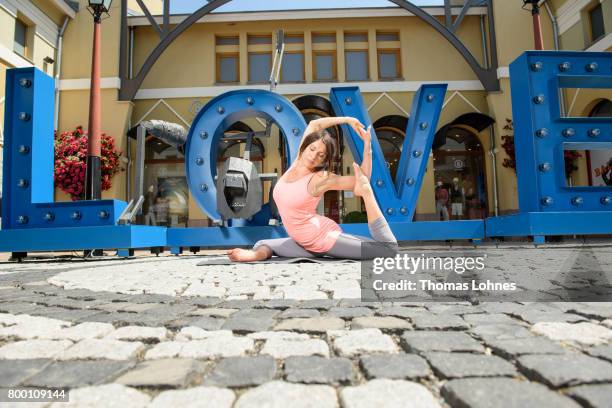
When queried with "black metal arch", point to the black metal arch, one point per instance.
{"points": [[129, 86]]}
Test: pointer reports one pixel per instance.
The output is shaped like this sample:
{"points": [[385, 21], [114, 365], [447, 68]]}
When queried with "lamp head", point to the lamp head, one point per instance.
{"points": [[102, 6]]}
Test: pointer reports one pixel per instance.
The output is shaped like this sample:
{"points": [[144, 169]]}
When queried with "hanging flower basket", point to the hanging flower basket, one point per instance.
{"points": [[70, 162]]}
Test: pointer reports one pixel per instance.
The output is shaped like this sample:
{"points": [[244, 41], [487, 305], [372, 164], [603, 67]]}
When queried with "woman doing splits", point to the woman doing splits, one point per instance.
{"points": [[298, 192]]}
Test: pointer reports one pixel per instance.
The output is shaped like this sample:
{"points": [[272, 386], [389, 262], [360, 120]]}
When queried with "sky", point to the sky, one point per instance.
{"points": [[188, 6]]}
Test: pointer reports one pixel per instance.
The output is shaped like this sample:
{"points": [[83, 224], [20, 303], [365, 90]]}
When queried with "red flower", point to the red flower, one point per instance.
{"points": [[70, 156]]}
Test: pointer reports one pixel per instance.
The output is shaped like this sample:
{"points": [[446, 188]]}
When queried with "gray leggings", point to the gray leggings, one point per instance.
{"points": [[347, 246]]}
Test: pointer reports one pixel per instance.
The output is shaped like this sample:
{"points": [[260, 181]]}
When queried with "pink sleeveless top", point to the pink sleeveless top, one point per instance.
{"points": [[298, 210]]}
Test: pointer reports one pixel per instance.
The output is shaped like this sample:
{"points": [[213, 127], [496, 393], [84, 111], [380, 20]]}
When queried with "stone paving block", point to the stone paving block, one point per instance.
{"points": [[241, 304], [109, 395], [607, 323], [592, 396], [144, 334], [204, 322], [292, 313], [213, 312], [242, 372], [565, 370], [388, 393], [597, 311], [31, 327], [462, 365], [280, 394], [583, 333], [311, 325], [88, 330], [603, 352], [65, 314], [439, 322], [72, 374], [502, 392], [456, 308], [300, 293], [356, 342], [518, 347], [33, 349], [492, 332], [359, 303], [166, 349], [283, 348], [489, 318], [251, 320], [96, 349], [152, 298], [8, 319], [193, 398], [400, 311], [215, 347], [419, 341], [388, 323], [175, 373], [350, 312], [318, 370], [287, 335], [14, 372], [395, 367], [535, 316], [196, 333], [320, 304], [18, 307], [280, 304], [202, 301]]}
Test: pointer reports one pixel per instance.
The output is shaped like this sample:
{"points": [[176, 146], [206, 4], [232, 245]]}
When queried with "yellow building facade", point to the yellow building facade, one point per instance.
{"points": [[387, 52]]}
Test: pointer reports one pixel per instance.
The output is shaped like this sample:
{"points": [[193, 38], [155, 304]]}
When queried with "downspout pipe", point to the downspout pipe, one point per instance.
{"points": [[555, 28], [492, 147], [58, 69]]}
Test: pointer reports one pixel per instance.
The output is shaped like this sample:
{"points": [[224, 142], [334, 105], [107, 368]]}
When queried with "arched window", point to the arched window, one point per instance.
{"points": [[391, 131]]}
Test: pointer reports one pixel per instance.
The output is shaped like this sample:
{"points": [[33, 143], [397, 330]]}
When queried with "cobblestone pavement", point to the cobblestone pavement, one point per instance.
{"points": [[164, 332]]}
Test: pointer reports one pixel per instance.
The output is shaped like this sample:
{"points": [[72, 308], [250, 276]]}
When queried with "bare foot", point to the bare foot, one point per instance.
{"points": [[246, 255], [362, 184]]}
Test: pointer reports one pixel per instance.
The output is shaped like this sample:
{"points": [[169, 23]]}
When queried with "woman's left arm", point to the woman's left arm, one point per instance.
{"points": [[323, 123], [333, 182]]}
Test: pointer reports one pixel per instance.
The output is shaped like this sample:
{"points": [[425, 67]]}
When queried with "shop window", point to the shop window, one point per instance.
{"points": [[355, 37], [294, 39], [227, 40], [597, 23], [260, 64], [259, 39], [324, 66], [387, 36], [356, 63], [321, 38], [228, 68], [20, 45], [292, 68], [388, 64]]}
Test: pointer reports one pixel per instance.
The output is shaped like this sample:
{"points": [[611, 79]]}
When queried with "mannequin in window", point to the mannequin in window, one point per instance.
{"points": [[457, 197], [441, 201]]}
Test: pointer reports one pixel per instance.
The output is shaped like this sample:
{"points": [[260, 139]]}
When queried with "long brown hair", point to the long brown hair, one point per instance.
{"points": [[330, 148]]}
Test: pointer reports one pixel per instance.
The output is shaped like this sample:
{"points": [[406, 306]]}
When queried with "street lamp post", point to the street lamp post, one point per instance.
{"points": [[93, 173], [537, 24]]}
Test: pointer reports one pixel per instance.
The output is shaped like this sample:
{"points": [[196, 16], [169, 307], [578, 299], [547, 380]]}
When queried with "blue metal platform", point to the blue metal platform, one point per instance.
{"points": [[77, 238]]}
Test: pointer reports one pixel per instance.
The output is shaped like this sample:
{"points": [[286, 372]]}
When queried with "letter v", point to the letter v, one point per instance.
{"points": [[397, 200]]}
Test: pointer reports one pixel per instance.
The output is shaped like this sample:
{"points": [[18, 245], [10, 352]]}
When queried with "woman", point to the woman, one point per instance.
{"points": [[299, 190]]}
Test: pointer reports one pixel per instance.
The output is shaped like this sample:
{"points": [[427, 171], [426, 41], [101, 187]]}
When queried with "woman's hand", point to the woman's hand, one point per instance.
{"points": [[366, 136], [355, 124]]}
